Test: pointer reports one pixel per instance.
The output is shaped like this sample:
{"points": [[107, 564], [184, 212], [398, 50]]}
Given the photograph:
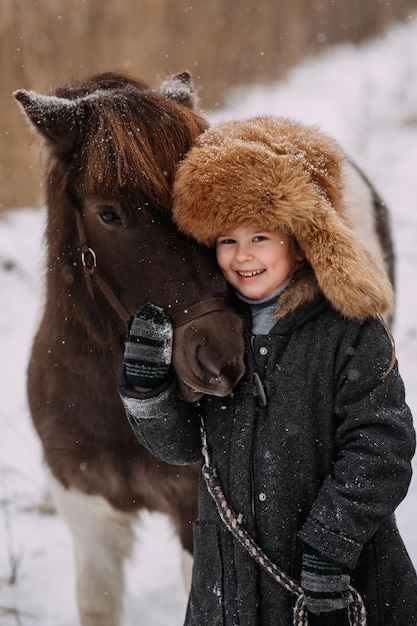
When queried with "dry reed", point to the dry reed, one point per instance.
{"points": [[223, 43]]}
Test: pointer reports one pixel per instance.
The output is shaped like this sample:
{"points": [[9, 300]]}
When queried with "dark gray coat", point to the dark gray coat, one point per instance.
{"points": [[326, 461]]}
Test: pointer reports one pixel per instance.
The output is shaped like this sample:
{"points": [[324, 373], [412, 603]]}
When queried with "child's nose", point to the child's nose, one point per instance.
{"points": [[243, 253]]}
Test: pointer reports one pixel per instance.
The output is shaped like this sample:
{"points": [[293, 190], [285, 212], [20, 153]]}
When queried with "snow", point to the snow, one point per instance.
{"points": [[367, 99]]}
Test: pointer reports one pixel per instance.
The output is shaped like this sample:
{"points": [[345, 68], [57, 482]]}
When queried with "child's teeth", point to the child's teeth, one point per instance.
{"points": [[248, 274]]}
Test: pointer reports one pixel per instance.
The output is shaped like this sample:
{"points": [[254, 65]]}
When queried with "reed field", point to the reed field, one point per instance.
{"points": [[223, 43]]}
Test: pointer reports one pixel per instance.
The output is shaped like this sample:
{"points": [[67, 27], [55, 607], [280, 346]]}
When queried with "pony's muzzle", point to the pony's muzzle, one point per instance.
{"points": [[208, 353]]}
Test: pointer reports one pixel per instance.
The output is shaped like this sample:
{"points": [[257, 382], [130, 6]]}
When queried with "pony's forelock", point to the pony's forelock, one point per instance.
{"points": [[132, 143]]}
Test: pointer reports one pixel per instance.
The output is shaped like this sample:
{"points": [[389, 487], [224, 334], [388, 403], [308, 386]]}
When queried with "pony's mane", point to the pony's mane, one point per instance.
{"points": [[104, 81], [132, 139]]}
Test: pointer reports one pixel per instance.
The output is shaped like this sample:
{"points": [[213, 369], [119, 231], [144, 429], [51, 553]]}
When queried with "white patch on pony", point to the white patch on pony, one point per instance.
{"points": [[103, 538], [358, 199], [187, 569]]}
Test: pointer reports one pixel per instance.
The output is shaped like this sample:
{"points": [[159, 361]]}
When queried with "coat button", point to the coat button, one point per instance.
{"points": [[262, 496], [263, 350]]}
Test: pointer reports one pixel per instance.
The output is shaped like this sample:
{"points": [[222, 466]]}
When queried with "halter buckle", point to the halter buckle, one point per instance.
{"points": [[92, 258]]}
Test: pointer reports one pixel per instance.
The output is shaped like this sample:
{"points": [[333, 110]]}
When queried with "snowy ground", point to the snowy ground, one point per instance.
{"points": [[365, 97]]}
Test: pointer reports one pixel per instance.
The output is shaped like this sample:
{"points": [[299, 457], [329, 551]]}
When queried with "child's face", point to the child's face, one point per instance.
{"points": [[254, 262]]}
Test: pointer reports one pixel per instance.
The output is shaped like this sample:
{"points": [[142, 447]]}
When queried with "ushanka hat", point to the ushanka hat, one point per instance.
{"points": [[272, 173]]}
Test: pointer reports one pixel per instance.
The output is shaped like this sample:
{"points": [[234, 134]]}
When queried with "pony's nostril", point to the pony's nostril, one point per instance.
{"points": [[233, 372], [207, 366], [216, 371]]}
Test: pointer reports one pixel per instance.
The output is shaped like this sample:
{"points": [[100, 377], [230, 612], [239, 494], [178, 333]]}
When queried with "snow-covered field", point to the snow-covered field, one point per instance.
{"points": [[366, 98]]}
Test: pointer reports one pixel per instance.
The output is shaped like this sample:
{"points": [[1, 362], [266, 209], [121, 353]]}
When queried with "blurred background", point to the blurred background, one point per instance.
{"points": [[224, 43]]}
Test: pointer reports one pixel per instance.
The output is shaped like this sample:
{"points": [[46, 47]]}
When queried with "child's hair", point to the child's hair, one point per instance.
{"points": [[271, 173]]}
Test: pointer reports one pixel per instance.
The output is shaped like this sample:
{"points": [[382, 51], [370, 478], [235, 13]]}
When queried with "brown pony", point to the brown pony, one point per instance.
{"points": [[112, 146]]}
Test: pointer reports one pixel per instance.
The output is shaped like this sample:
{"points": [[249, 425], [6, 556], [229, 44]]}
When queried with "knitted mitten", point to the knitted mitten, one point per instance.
{"points": [[326, 589], [148, 349]]}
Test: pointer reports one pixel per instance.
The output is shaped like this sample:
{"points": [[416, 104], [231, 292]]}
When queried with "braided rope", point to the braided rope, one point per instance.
{"points": [[356, 609]]}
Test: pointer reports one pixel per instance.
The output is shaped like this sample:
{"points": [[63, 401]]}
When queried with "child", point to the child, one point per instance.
{"points": [[314, 446]]}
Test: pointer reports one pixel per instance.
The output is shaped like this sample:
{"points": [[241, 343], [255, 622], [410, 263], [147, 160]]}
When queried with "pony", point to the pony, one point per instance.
{"points": [[112, 147], [112, 144]]}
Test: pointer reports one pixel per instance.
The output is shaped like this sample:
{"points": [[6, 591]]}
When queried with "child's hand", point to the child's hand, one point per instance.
{"points": [[148, 349], [326, 590]]}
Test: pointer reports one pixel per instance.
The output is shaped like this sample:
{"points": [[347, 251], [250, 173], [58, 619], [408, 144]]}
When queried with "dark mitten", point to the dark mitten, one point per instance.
{"points": [[326, 589], [148, 349]]}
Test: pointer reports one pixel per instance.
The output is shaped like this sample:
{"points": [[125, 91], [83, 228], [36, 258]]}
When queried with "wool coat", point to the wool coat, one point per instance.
{"points": [[326, 461]]}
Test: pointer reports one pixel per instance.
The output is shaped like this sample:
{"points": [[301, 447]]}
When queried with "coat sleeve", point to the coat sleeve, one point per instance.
{"points": [[162, 421], [375, 443]]}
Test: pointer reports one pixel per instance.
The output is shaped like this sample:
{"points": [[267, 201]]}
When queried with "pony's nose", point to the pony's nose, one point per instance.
{"points": [[233, 372], [217, 371]]}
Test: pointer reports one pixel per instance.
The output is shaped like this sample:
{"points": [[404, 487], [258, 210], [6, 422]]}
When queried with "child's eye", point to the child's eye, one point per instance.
{"points": [[260, 238], [226, 241]]}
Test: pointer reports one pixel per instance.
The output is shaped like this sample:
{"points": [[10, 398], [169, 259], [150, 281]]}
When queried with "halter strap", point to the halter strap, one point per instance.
{"points": [[89, 262], [197, 310]]}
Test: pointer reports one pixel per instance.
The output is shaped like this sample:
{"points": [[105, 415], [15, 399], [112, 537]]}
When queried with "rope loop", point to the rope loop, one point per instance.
{"points": [[356, 610], [300, 612], [234, 523]]}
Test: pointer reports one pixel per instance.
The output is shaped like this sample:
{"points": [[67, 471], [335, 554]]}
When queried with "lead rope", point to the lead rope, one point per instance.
{"points": [[233, 522]]}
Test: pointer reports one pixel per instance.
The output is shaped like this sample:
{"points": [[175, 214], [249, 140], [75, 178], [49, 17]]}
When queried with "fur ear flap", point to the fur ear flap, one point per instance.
{"points": [[180, 89], [346, 272]]}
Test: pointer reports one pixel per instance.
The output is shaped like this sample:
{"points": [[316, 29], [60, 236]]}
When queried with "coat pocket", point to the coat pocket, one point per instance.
{"points": [[206, 601]]}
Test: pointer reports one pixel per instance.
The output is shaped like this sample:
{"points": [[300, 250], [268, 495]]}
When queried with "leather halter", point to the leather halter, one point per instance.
{"points": [[197, 310], [89, 262]]}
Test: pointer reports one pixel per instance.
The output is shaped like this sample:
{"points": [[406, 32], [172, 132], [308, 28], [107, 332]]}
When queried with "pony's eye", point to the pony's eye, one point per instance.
{"points": [[109, 216]]}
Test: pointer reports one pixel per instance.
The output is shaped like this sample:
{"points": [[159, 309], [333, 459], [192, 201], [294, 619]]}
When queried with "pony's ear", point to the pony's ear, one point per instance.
{"points": [[180, 89], [56, 119]]}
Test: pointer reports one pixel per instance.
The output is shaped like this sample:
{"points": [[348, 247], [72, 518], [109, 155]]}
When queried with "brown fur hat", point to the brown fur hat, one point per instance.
{"points": [[275, 173]]}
